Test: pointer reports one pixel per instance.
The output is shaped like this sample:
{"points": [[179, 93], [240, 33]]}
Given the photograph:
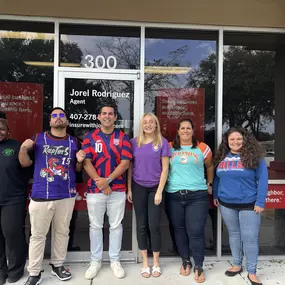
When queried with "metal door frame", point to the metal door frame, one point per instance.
{"points": [[59, 100]]}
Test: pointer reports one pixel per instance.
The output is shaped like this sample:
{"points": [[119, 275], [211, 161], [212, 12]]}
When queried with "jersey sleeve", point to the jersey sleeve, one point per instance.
{"points": [[165, 148], [207, 153], [126, 153], [87, 148]]}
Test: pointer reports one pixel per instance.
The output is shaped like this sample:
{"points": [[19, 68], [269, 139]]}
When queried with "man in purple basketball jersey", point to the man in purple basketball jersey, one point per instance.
{"points": [[56, 157]]}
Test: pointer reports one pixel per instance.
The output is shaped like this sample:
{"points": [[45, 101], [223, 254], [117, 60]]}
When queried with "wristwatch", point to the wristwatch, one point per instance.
{"points": [[209, 184], [109, 179]]}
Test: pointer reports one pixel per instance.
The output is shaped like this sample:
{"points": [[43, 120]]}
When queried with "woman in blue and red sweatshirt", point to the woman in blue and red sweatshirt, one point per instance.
{"points": [[240, 188]]}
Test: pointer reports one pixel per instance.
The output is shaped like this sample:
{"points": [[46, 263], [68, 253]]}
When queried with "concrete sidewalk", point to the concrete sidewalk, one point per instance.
{"points": [[269, 272]]}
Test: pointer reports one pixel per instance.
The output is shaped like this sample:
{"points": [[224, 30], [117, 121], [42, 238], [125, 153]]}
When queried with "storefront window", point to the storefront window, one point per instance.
{"points": [[26, 76], [180, 82], [26, 80], [101, 47], [253, 97]]}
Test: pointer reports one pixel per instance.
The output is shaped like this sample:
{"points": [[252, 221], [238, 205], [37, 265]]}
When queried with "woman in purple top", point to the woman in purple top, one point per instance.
{"points": [[146, 179]]}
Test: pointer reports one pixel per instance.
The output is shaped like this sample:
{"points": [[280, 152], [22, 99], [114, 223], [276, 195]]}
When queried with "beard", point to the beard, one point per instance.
{"points": [[59, 125]]}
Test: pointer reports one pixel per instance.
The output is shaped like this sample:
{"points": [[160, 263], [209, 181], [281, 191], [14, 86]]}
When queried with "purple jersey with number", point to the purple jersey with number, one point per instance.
{"points": [[54, 174]]}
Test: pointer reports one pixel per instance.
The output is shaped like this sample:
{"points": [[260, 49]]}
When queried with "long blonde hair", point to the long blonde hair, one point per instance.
{"points": [[157, 134]]}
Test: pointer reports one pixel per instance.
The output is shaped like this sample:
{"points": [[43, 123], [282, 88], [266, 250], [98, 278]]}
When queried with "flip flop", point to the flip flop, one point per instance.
{"points": [[156, 269], [145, 272], [185, 268], [199, 276]]}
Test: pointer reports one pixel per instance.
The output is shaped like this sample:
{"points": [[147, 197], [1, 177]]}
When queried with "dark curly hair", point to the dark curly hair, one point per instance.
{"points": [[176, 143], [250, 152]]}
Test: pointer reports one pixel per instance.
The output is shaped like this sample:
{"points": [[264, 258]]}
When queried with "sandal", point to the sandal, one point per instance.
{"points": [[185, 268], [145, 272], [157, 270], [199, 276]]}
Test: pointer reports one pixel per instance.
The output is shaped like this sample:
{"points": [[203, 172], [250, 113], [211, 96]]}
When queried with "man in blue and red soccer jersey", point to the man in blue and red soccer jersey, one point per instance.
{"points": [[108, 154], [56, 156]]}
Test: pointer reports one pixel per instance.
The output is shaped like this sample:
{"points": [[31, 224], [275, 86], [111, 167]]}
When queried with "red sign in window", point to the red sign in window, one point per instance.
{"points": [[23, 105], [175, 104], [275, 196], [80, 199]]}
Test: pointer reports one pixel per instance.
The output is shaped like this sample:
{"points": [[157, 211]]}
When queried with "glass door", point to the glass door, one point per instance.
{"points": [[82, 94]]}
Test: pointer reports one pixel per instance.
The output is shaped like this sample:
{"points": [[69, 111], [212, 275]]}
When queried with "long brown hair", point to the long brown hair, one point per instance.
{"points": [[250, 152], [176, 143]]}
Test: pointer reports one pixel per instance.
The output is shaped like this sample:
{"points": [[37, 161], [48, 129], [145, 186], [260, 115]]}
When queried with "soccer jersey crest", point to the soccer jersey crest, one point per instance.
{"points": [[116, 141]]}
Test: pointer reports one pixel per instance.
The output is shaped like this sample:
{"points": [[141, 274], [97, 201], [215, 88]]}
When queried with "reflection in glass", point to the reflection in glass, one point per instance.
{"points": [[180, 82], [20, 44], [26, 85], [103, 47], [253, 98]]}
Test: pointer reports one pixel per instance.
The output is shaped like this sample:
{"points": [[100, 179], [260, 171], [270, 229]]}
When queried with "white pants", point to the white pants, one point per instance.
{"points": [[97, 205]]}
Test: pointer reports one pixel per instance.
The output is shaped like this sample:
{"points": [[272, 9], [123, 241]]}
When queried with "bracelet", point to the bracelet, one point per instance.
{"points": [[209, 184]]}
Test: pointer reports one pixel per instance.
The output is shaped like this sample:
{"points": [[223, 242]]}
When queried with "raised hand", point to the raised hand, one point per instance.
{"points": [[27, 144]]}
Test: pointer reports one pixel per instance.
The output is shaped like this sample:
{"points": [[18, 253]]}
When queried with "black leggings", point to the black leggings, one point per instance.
{"points": [[147, 215]]}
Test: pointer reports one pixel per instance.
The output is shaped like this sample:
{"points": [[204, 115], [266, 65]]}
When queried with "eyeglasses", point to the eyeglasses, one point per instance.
{"points": [[60, 115]]}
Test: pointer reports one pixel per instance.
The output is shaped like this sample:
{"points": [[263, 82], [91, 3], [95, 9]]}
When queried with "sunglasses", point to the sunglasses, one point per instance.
{"points": [[60, 115]]}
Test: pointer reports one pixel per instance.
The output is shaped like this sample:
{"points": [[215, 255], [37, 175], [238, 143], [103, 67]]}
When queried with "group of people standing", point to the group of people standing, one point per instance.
{"points": [[180, 174]]}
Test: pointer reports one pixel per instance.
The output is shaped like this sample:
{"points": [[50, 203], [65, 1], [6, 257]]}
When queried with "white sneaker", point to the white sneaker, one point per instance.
{"points": [[118, 270], [93, 269]]}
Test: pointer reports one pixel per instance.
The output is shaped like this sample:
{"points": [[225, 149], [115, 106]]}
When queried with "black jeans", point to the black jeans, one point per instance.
{"points": [[147, 215], [12, 240], [188, 212], [171, 229]]}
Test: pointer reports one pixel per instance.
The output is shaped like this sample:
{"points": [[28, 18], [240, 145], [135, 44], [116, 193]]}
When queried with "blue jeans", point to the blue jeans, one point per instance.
{"points": [[243, 227], [188, 212], [114, 205]]}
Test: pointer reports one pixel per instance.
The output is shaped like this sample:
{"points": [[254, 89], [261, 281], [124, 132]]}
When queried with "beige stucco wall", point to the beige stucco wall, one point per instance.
{"points": [[250, 13]]}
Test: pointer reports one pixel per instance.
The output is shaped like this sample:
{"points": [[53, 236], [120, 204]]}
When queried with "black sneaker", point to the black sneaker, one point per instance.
{"points": [[14, 279], [60, 272], [3, 280], [34, 280]]}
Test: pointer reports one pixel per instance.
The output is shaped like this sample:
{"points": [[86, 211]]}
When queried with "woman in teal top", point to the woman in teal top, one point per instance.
{"points": [[187, 196]]}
